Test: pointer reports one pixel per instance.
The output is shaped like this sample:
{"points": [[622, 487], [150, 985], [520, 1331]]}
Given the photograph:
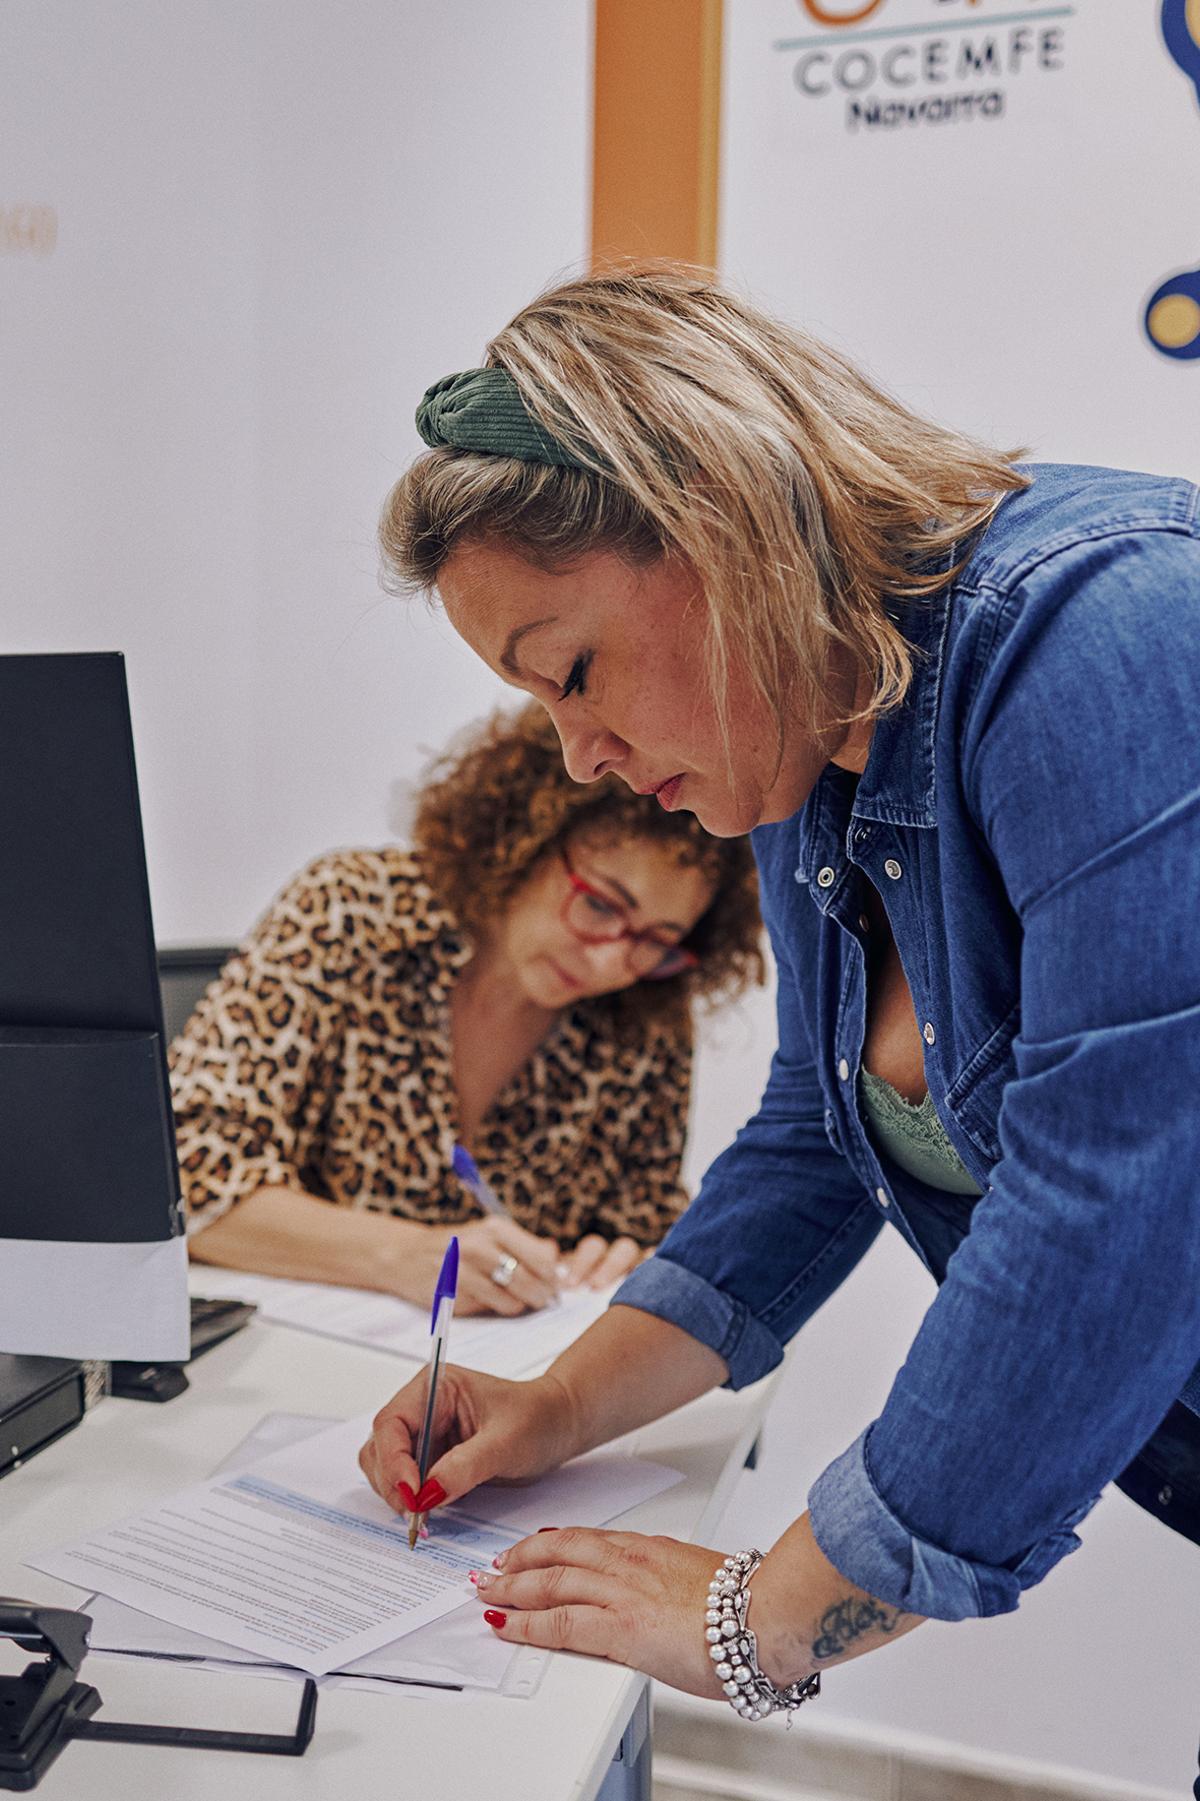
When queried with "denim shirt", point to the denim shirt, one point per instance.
{"points": [[1031, 818]]}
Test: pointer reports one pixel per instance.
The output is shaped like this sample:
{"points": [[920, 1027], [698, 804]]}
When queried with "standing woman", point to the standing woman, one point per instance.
{"points": [[956, 697]]}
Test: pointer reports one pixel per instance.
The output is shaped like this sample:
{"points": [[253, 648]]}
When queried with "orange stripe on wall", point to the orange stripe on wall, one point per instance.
{"points": [[656, 130]]}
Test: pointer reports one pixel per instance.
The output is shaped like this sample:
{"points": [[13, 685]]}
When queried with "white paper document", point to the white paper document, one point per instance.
{"points": [[450, 1653], [297, 1560], [454, 1652], [502, 1347]]}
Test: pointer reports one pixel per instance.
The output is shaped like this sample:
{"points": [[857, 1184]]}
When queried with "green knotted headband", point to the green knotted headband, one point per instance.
{"points": [[482, 410]]}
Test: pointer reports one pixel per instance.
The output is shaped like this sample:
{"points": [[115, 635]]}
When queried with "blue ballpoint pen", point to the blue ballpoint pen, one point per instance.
{"points": [[467, 1171], [439, 1329]]}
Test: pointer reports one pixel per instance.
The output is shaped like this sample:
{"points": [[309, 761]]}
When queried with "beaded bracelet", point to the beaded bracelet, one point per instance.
{"points": [[734, 1649]]}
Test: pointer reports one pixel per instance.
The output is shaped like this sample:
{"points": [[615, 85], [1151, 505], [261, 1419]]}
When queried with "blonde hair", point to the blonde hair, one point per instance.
{"points": [[804, 498]]}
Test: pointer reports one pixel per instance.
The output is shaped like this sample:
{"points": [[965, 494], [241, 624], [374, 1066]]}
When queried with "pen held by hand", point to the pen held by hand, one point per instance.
{"points": [[439, 1332], [476, 1185], [467, 1171]]}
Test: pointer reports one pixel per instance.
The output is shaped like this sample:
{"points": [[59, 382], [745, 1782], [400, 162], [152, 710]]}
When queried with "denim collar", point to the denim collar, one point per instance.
{"points": [[898, 785]]}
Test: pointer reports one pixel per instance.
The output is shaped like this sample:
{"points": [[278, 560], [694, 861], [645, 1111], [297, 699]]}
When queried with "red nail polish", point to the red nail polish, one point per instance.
{"points": [[472, 1575], [494, 1617], [430, 1495], [547, 1528], [407, 1496]]}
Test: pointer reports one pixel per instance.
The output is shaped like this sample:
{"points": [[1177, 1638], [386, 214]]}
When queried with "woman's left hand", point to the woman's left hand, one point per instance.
{"points": [[619, 1595], [641, 1601], [597, 1262]]}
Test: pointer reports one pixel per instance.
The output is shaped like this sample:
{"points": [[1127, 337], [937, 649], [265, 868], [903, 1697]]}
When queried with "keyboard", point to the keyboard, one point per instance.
{"points": [[213, 1321]]}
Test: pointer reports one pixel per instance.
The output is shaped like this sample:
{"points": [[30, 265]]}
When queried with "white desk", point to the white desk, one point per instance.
{"points": [[558, 1746]]}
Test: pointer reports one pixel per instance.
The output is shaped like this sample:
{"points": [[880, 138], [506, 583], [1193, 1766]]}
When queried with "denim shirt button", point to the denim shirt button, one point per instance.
{"points": [[864, 924], [892, 869], [825, 877], [928, 1033], [882, 1196], [843, 1070], [1165, 1494]]}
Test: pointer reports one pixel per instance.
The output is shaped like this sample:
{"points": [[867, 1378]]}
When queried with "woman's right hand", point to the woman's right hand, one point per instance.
{"points": [[483, 1245], [484, 1428]]}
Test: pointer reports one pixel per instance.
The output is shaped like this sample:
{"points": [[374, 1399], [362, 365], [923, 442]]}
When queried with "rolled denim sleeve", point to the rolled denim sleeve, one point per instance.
{"points": [[778, 1224], [866, 1541], [1069, 1319], [727, 1326]]}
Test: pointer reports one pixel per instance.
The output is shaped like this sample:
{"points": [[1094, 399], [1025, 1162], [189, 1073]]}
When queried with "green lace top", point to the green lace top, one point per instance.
{"points": [[914, 1137]]}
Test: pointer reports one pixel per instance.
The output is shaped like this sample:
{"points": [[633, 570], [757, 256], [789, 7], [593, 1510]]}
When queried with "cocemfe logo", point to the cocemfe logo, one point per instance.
{"points": [[896, 63], [829, 15], [1172, 314], [854, 14]]}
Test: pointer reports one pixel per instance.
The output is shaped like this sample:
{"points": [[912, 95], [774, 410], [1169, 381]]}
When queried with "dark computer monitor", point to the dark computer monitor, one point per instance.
{"points": [[93, 1263]]}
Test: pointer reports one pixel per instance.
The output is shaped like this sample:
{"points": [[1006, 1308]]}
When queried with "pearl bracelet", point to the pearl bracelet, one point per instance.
{"points": [[734, 1650]]}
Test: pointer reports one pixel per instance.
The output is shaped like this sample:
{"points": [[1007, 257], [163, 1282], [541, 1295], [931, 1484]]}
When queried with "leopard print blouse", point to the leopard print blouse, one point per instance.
{"points": [[321, 1058]]}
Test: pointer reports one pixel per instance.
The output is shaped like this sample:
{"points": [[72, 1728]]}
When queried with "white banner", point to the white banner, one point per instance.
{"points": [[994, 206]]}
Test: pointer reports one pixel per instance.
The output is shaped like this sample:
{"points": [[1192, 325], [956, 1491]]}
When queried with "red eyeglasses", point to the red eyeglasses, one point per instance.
{"points": [[596, 918]]}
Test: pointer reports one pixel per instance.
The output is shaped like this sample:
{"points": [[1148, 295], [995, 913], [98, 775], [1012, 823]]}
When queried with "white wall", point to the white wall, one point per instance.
{"points": [[277, 223], [992, 271]]}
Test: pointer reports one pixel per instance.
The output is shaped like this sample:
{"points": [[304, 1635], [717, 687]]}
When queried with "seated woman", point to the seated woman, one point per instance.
{"points": [[520, 983]]}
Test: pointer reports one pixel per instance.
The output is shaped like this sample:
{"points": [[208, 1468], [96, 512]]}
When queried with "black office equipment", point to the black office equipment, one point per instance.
{"points": [[40, 1399], [214, 1321], [184, 972], [87, 1153], [147, 1381], [45, 1707]]}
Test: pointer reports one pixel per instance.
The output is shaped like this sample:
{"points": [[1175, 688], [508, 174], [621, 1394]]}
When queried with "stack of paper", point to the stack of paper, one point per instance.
{"points": [[293, 1560], [502, 1347]]}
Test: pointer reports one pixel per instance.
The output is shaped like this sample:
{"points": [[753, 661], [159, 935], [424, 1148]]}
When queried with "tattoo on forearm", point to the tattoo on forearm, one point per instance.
{"points": [[848, 1620]]}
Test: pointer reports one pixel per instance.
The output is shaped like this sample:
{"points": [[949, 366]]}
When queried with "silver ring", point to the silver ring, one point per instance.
{"points": [[505, 1270]]}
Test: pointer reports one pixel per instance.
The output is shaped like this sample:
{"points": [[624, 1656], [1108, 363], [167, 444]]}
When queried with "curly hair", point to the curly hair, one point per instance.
{"points": [[497, 803]]}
